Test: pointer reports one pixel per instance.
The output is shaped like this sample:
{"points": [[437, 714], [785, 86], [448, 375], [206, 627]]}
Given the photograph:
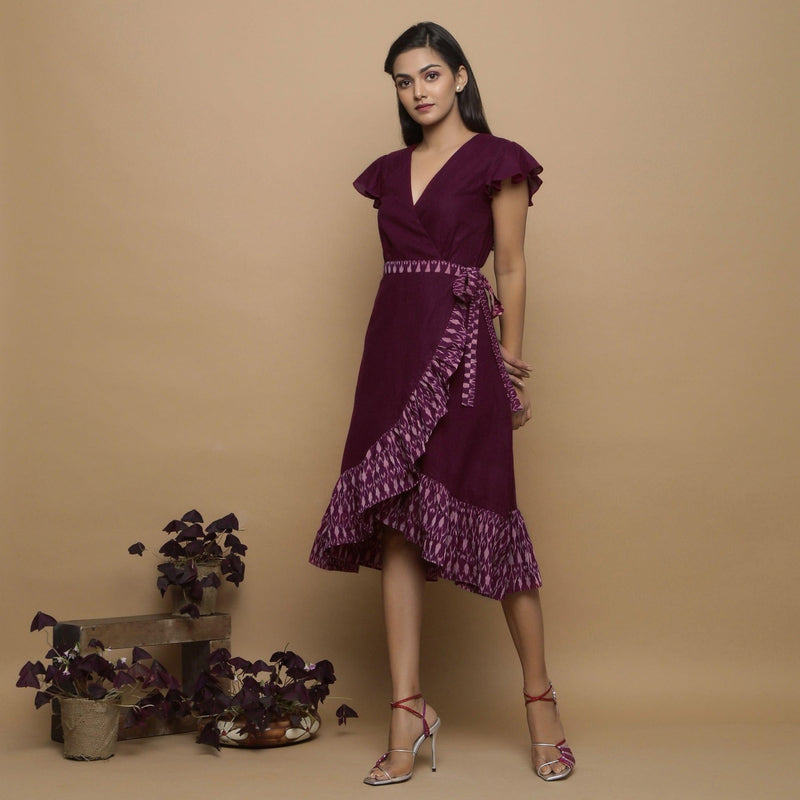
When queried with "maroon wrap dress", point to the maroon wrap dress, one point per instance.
{"points": [[429, 450]]}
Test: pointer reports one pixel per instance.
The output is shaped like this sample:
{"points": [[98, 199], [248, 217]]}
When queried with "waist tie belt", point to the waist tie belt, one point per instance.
{"points": [[473, 289]]}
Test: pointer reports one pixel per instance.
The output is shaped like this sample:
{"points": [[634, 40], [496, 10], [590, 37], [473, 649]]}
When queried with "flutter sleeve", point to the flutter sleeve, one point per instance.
{"points": [[370, 182], [516, 163]]}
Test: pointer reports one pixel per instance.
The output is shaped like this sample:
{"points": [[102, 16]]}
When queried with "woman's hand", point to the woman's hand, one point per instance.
{"points": [[516, 368], [519, 418]]}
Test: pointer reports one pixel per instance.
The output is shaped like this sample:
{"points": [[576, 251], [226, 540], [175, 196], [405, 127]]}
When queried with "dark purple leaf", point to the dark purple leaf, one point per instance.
{"points": [[94, 663], [344, 713], [212, 580], [251, 684], [288, 659], [42, 620], [192, 532], [162, 584], [187, 573], [213, 550], [97, 644], [171, 549], [175, 704], [234, 543], [191, 609], [96, 691], [193, 549], [172, 683], [210, 735], [136, 549], [41, 699], [159, 677], [139, 653], [139, 671], [318, 692], [178, 574], [268, 691], [192, 516], [174, 525], [323, 672], [233, 567], [194, 591], [240, 663], [224, 524], [260, 666], [295, 692], [223, 670], [136, 716], [258, 718], [29, 674], [123, 679], [210, 700], [219, 655]]}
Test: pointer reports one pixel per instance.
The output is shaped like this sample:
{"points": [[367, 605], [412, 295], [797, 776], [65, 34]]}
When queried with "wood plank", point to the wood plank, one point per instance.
{"points": [[149, 629]]}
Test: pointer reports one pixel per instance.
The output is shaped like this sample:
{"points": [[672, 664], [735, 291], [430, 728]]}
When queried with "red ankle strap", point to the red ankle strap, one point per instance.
{"points": [[399, 704], [531, 699]]}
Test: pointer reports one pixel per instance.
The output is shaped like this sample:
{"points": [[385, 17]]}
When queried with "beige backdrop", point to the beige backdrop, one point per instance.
{"points": [[187, 274]]}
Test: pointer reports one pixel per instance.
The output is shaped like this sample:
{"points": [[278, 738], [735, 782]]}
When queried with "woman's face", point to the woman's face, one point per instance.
{"points": [[426, 86]]}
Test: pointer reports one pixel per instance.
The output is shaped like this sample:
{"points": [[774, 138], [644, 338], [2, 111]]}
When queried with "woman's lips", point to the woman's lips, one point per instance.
{"points": [[423, 106]]}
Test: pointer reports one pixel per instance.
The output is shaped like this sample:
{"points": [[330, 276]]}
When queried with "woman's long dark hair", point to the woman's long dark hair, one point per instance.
{"points": [[429, 34]]}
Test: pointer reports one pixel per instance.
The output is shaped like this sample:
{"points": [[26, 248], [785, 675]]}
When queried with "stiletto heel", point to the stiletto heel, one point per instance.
{"points": [[565, 753], [428, 732]]}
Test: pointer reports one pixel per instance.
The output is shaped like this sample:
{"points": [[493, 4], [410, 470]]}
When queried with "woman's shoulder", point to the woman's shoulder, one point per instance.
{"points": [[497, 144], [370, 182], [506, 159], [391, 158]]}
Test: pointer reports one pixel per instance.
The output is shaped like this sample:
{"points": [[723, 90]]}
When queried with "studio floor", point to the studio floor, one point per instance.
{"points": [[638, 760]]}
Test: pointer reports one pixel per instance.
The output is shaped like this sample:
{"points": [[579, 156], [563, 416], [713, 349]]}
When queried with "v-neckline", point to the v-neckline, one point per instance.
{"points": [[436, 174]]}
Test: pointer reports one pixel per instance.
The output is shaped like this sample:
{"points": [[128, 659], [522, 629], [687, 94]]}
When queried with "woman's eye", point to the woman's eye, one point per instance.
{"points": [[401, 84], [432, 76]]}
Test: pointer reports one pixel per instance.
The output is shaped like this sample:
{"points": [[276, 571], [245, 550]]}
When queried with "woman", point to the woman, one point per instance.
{"points": [[427, 483]]}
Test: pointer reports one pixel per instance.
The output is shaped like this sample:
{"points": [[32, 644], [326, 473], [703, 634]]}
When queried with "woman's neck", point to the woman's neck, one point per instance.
{"points": [[448, 134]]}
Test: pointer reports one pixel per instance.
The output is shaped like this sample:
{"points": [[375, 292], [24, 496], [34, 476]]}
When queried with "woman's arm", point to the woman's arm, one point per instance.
{"points": [[510, 213]]}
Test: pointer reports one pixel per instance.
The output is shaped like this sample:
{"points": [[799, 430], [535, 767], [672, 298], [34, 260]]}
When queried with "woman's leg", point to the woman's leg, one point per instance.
{"points": [[403, 582], [523, 612]]}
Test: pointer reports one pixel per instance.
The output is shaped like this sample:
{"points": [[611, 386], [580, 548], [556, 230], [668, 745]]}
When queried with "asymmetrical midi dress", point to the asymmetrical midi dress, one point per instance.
{"points": [[429, 450]]}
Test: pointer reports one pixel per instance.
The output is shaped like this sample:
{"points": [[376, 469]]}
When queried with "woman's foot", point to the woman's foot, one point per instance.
{"points": [[404, 730], [544, 724]]}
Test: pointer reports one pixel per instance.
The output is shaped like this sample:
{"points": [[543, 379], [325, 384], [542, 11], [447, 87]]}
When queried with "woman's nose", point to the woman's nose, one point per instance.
{"points": [[419, 89]]}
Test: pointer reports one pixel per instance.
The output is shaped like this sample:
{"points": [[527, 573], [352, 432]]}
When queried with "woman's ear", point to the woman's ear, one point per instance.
{"points": [[462, 78]]}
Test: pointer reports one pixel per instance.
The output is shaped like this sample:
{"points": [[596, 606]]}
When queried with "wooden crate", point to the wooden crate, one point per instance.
{"points": [[195, 637]]}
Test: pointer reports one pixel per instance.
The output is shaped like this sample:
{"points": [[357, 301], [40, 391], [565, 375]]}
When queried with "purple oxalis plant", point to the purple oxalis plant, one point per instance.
{"points": [[191, 545], [143, 686], [264, 692]]}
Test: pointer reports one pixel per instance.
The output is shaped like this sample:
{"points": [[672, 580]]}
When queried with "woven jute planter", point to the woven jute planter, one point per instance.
{"points": [[208, 605], [90, 728], [280, 732]]}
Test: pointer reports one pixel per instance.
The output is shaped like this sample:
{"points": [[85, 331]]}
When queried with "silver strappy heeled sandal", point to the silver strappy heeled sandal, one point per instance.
{"points": [[565, 756], [428, 732]]}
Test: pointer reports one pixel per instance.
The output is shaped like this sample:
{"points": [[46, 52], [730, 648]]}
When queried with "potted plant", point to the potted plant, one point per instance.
{"points": [[196, 560], [91, 691], [261, 704]]}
